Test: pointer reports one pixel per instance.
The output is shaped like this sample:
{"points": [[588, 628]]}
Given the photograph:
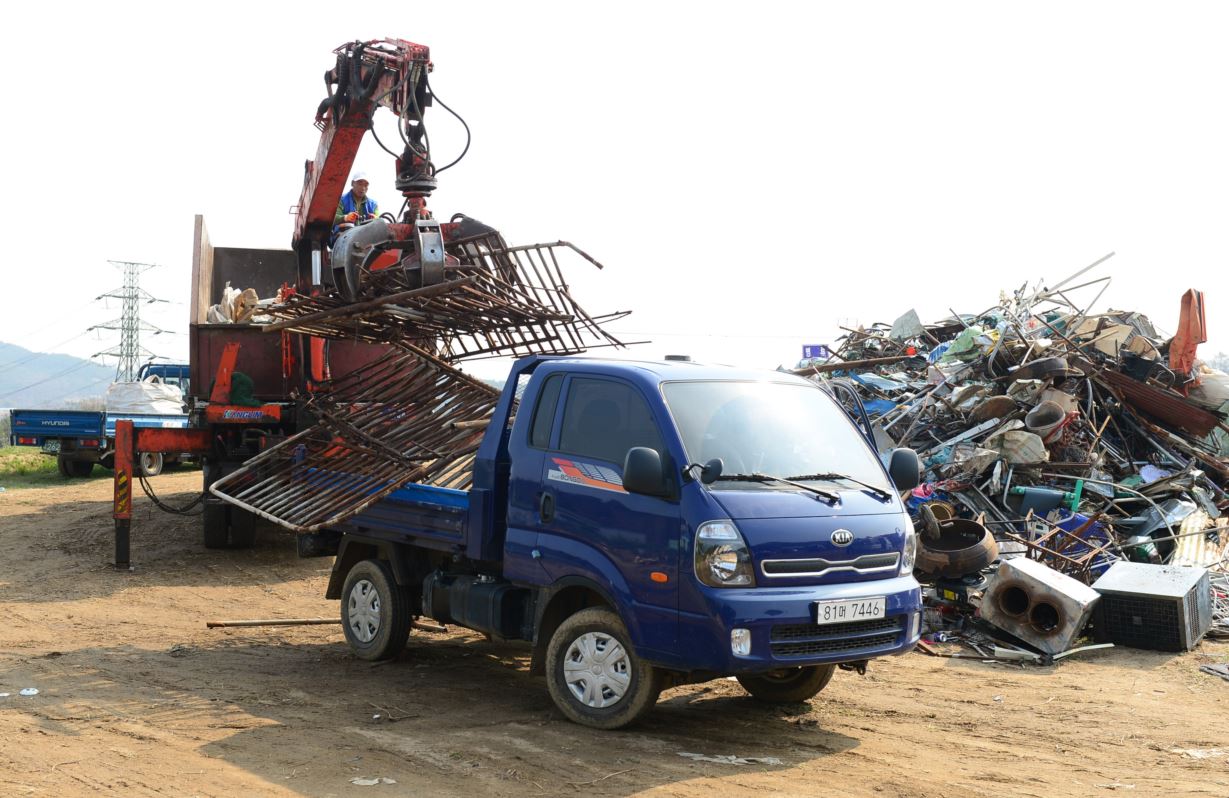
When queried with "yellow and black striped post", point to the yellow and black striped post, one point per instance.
{"points": [[125, 458]]}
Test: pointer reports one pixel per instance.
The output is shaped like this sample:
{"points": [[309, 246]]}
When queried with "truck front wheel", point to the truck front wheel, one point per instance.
{"points": [[788, 685], [375, 611], [594, 676]]}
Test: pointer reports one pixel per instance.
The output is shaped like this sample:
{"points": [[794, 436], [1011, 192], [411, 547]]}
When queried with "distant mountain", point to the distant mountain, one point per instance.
{"points": [[34, 379]]}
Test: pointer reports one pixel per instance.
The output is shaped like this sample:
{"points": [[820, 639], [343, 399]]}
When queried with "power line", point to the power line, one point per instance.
{"points": [[58, 321], [48, 353], [57, 375]]}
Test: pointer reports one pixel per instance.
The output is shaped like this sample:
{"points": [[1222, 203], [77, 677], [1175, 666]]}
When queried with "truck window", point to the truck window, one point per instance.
{"points": [[785, 429], [544, 414], [603, 419]]}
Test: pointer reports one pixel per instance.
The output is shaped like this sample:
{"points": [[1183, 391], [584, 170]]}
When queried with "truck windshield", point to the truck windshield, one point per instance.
{"points": [[783, 429]]}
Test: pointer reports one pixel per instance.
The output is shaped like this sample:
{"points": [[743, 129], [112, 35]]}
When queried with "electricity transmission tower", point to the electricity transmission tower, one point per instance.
{"points": [[130, 352]]}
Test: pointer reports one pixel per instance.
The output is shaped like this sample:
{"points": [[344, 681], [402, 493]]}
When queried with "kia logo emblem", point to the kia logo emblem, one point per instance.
{"points": [[842, 537]]}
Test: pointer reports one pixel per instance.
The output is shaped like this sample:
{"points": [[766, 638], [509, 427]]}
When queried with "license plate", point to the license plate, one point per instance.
{"points": [[52, 446], [866, 609]]}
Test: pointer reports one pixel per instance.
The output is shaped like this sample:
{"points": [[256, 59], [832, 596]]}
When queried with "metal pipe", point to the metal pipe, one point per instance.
{"points": [[1117, 486]]}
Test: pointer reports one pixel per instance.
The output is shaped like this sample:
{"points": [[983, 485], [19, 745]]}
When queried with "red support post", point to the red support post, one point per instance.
{"points": [[125, 458]]}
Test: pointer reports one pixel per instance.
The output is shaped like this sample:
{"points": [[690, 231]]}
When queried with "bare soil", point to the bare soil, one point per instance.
{"points": [[138, 698]]}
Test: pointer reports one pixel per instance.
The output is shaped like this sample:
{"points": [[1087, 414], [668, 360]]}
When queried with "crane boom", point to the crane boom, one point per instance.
{"points": [[389, 73]]}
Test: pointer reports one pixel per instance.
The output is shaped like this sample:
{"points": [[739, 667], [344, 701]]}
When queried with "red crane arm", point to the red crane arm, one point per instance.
{"points": [[384, 72]]}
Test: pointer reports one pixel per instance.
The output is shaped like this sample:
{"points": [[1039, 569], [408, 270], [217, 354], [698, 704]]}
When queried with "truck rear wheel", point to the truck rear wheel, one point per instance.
{"points": [[594, 675], [375, 611], [151, 463], [73, 468], [227, 527], [788, 685]]}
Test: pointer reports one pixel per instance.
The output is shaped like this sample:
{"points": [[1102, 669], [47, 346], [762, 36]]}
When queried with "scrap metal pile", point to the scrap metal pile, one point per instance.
{"points": [[1057, 446], [411, 415]]}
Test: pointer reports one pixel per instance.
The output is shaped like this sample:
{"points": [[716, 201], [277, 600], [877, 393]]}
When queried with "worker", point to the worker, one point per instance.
{"points": [[355, 206]]}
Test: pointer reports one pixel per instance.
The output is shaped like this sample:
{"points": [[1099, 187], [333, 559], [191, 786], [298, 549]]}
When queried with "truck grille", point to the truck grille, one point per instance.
{"points": [[808, 639], [817, 566]]}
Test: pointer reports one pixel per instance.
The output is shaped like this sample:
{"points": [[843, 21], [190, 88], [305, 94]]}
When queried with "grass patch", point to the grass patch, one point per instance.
{"points": [[27, 467]]}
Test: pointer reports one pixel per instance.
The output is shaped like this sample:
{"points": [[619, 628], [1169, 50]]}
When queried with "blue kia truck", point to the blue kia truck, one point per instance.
{"points": [[80, 439], [648, 524]]}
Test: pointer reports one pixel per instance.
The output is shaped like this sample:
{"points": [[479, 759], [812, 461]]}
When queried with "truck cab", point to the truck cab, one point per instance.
{"points": [[177, 374], [647, 524]]}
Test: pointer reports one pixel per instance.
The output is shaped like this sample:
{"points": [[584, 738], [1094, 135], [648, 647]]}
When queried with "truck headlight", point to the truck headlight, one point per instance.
{"points": [[722, 557], [909, 555]]}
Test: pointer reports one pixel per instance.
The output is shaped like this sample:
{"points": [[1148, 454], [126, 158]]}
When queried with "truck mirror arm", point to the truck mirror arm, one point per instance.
{"points": [[709, 472]]}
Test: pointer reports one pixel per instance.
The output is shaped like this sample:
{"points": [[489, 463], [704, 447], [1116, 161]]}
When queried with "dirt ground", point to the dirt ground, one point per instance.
{"points": [[138, 698]]}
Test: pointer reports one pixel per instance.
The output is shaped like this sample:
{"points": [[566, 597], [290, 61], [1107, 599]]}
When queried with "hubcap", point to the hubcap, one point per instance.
{"points": [[363, 610], [597, 670]]}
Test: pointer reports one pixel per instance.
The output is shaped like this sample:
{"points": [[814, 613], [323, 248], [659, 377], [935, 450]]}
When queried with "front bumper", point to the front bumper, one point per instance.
{"points": [[783, 629]]}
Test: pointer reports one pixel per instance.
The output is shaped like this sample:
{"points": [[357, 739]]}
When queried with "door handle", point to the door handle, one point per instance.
{"points": [[546, 507]]}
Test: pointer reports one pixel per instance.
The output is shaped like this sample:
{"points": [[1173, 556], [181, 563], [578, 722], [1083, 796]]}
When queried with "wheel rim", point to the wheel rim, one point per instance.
{"points": [[363, 610], [597, 670], [150, 461]]}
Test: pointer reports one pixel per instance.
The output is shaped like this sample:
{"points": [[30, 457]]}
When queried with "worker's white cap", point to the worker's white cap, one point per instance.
{"points": [[357, 176]]}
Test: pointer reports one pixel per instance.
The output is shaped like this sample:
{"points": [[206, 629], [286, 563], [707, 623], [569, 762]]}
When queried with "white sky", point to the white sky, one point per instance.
{"points": [[750, 174]]}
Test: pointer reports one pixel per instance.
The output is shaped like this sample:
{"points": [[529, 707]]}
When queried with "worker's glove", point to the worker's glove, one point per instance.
{"points": [[352, 217]]}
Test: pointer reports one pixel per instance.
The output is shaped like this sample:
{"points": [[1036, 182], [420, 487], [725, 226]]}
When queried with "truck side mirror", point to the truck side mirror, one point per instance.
{"points": [[643, 472], [905, 469]]}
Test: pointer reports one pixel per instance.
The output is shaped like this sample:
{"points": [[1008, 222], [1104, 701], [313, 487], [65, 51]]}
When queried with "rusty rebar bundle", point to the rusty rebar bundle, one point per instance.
{"points": [[388, 423], [495, 300], [410, 416]]}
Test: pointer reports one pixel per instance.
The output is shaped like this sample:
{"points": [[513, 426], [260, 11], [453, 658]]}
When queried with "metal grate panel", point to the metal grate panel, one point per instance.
{"points": [[407, 417], [494, 301]]}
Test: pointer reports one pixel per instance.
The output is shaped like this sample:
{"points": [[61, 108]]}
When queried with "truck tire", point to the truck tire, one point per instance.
{"points": [[215, 523], [375, 611], [594, 675], [151, 463], [226, 527], [242, 528], [73, 468], [788, 685]]}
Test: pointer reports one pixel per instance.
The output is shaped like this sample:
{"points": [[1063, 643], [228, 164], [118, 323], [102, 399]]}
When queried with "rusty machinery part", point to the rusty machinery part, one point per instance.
{"points": [[358, 249], [1039, 605], [993, 407], [932, 514], [382, 425], [494, 301], [962, 547]]}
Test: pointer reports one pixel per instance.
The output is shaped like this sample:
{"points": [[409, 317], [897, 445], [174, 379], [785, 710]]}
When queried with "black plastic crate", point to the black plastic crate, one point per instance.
{"points": [[1157, 607]]}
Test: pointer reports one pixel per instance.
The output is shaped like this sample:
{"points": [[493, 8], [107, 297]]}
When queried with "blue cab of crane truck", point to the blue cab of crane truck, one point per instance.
{"points": [[743, 522]]}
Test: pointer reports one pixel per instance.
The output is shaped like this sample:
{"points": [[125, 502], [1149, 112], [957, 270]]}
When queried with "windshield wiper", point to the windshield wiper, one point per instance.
{"points": [[880, 492], [831, 496]]}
